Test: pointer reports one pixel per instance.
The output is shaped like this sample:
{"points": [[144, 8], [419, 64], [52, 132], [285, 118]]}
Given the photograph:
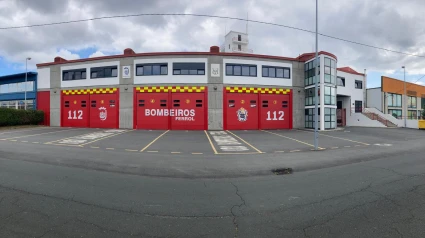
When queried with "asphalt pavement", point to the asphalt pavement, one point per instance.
{"points": [[374, 190]]}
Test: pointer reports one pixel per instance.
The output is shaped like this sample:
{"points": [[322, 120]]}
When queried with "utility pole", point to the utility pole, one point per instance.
{"points": [[26, 73], [316, 86], [405, 99]]}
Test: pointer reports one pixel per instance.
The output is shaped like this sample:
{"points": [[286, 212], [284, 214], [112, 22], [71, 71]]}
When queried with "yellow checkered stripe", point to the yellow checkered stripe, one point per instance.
{"points": [[173, 89], [257, 90], [89, 91]]}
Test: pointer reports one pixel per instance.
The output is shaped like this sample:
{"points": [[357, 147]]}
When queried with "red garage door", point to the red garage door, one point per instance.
{"points": [[189, 111], [241, 111], [152, 111], [75, 111], [274, 111], [170, 107], [257, 108], [104, 111], [97, 108]]}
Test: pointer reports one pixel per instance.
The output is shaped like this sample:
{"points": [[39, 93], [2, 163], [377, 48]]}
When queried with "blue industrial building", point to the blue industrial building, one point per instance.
{"points": [[12, 91]]}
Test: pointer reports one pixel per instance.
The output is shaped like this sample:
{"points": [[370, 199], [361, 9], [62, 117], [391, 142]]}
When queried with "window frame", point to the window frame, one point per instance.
{"points": [[184, 68], [103, 70], [275, 69], [410, 102], [80, 71], [356, 82], [240, 67], [331, 96], [152, 65], [357, 108], [342, 80]]}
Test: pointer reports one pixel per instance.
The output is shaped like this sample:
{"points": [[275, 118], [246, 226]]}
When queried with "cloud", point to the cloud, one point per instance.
{"points": [[382, 23], [97, 54]]}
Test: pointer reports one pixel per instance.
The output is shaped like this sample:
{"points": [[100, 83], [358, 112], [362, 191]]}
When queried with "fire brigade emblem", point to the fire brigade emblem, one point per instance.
{"points": [[152, 100], [101, 102], [187, 101], [242, 114], [242, 101], [275, 102], [103, 114], [75, 101]]}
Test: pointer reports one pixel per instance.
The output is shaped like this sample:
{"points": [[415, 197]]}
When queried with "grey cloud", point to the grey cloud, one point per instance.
{"points": [[382, 23]]}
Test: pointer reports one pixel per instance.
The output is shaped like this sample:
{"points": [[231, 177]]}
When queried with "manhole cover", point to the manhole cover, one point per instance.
{"points": [[282, 171]]}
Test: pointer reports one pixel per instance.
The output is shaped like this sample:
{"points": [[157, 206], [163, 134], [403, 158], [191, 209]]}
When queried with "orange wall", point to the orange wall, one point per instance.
{"points": [[391, 85]]}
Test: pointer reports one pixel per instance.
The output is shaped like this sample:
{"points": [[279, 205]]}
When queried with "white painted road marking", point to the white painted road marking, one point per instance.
{"points": [[227, 142], [87, 138]]}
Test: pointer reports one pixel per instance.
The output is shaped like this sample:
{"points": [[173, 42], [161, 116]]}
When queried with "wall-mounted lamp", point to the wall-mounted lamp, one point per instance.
{"points": [[215, 87]]}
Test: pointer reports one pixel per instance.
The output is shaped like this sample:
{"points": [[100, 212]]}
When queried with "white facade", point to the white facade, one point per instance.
{"points": [[170, 78], [259, 79], [89, 81], [43, 79], [349, 90], [236, 42]]}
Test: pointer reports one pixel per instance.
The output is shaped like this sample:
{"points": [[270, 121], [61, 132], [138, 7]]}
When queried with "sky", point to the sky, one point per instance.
{"points": [[390, 24]]}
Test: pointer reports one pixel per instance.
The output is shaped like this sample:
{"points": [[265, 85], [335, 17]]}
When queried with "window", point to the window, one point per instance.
{"points": [[74, 74], [310, 96], [247, 70], [104, 72], [330, 71], [189, 68], [423, 103], [309, 118], [239, 38], [411, 102], [394, 100], [412, 115], [395, 113], [330, 96], [358, 84], [309, 73], [4, 88], [276, 72], [340, 81], [151, 69], [330, 118], [358, 106], [239, 47]]}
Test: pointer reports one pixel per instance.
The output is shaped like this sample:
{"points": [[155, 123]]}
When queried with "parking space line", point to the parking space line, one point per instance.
{"points": [[41, 133], [106, 137], [94, 147], [175, 152], [340, 138], [25, 141], [302, 142], [110, 148], [13, 140], [259, 151], [240, 153], [157, 138], [212, 145], [279, 151], [347, 146], [334, 148], [36, 142], [294, 151], [131, 150], [49, 142], [152, 151], [197, 153], [66, 145]]}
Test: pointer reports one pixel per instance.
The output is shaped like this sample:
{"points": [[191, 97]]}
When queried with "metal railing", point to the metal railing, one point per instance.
{"points": [[242, 40], [376, 117]]}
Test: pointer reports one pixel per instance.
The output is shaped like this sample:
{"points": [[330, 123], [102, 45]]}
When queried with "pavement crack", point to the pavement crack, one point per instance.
{"points": [[243, 203]]}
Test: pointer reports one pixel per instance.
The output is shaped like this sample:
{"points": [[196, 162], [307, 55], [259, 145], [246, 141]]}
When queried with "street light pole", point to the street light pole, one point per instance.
{"points": [[405, 98], [26, 77], [316, 87]]}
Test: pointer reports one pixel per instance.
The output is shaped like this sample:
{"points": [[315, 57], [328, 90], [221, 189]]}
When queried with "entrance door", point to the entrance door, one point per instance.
{"points": [[275, 111], [152, 111], [188, 111], [241, 111], [75, 112], [104, 111]]}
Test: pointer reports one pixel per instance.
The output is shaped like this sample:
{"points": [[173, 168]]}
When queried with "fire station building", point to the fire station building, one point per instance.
{"points": [[189, 91]]}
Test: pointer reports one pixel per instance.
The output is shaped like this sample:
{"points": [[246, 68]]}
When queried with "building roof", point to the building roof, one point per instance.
{"points": [[308, 56], [214, 51], [20, 75], [349, 70]]}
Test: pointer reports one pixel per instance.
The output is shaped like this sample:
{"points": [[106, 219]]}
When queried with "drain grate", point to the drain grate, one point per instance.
{"points": [[282, 171]]}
